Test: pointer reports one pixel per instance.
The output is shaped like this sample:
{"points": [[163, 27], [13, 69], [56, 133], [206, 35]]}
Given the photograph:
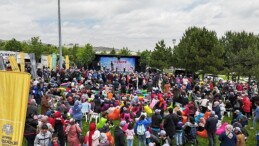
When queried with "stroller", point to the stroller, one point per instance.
{"points": [[189, 135]]}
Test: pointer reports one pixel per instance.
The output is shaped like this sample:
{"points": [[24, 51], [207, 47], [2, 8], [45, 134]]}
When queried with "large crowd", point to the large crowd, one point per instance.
{"points": [[152, 108]]}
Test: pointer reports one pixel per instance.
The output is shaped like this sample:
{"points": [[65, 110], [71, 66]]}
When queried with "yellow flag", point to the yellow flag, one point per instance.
{"points": [[14, 64], [67, 62], [50, 62], [22, 62], [14, 92]]}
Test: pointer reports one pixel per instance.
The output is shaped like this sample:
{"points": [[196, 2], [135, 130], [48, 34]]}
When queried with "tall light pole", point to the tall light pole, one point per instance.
{"points": [[174, 41], [59, 37]]}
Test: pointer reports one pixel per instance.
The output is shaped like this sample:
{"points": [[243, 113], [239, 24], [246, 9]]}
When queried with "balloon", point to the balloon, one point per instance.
{"points": [[221, 128], [110, 138], [153, 103], [185, 119], [206, 115], [101, 123], [115, 115], [148, 109], [125, 116], [202, 134]]}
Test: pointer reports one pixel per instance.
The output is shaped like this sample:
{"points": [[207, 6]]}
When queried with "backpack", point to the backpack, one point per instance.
{"points": [[179, 124], [141, 129]]}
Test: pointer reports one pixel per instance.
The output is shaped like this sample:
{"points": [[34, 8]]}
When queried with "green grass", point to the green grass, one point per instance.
{"points": [[251, 141]]}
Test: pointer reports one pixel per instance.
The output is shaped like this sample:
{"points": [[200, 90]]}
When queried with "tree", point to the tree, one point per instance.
{"points": [[113, 52], [85, 55], [161, 56], [199, 50], [13, 45], [145, 58], [241, 53], [36, 47], [104, 52], [124, 51]]}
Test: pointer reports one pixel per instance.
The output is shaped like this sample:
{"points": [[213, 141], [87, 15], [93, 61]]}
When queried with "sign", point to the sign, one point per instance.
{"points": [[44, 60], [115, 64], [2, 64], [50, 62], [14, 92], [67, 62], [22, 62], [54, 61], [33, 65], [14, 64]]}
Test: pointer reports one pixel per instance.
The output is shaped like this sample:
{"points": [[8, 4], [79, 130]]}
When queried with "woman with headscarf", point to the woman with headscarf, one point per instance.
{"points": [[104, 140], [77, 113], [72, 133], [92, 136], [228, 137], [240, 137]]}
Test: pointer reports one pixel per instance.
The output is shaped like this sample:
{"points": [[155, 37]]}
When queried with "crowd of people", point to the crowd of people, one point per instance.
{"points": [[154, 109]]}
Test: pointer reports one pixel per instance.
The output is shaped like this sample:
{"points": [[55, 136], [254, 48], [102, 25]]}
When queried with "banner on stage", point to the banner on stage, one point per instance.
{"points": [[14, 92]]}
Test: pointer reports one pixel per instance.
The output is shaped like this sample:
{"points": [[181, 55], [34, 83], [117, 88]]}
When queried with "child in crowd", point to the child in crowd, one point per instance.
{"points": [[44, 137], [130, 134], [54, 141]]}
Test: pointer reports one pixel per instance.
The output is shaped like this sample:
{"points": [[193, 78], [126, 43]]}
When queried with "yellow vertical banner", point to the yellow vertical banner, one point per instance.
{"points": [[22, 62], [13, 106], [67, 62], [14, 64], [50, 62]]}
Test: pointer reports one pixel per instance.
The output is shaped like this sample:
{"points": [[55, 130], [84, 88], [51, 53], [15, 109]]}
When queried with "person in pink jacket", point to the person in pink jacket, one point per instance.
{"points": [[72, 130]]}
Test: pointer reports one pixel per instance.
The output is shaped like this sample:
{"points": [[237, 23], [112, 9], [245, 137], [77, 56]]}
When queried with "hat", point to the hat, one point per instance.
{"points": [[162, 133], [48, 113], [157, 111], [238, 129], [122, 123], [237, 111], [212, 113]]}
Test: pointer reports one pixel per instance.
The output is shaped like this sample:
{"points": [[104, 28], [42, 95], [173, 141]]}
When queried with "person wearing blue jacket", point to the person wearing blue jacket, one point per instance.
{"points": [[77, 113], [141, 135]]}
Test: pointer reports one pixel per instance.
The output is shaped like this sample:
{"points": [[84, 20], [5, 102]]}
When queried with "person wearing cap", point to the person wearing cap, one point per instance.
{"points": [[240, 137], [156, 122], [119, 135], [211, 127], [44, 137], [228, 137], [164, 139]]}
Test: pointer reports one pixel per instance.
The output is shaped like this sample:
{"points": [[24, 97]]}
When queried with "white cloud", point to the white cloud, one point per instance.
{"points": [[137, 24]]}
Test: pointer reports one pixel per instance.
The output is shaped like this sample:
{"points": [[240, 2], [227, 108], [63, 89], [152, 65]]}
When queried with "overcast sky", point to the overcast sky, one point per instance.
{"points": [[136, 24]]}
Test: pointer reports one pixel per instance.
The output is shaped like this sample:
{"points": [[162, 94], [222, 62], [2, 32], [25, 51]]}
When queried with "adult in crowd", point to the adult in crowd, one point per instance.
{"points": [[119, 135], [31, 122], [72, 133], [228, 137], [211, 127]]}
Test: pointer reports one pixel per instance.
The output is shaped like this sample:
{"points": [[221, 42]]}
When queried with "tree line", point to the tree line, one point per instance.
{"points": [[199, 51]]}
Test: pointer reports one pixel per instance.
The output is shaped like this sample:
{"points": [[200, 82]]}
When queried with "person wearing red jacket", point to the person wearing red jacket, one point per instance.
{"points": [[246, 105]]}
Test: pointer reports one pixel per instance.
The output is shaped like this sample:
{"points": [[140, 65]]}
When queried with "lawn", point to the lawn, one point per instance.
{"points": [[251, 141]]}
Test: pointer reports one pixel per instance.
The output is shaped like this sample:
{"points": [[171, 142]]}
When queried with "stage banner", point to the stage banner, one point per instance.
{"points": [[67, 62], [13, 64], [22, 62], [14, 92], [54, 61], [49, 62], [2, 65]]}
